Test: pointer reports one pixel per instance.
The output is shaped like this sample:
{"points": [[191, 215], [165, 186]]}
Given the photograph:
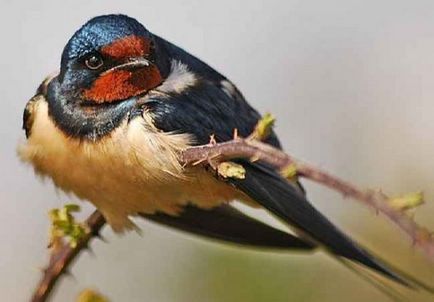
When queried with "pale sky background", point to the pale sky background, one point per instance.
{"points": [[351, 85]]}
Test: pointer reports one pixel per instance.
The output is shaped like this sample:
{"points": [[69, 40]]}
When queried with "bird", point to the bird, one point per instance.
{"points": [[110, 126]]}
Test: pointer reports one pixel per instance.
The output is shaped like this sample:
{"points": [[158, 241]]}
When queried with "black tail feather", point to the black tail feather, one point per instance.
{"points": [[374, 280], [273, 192]]}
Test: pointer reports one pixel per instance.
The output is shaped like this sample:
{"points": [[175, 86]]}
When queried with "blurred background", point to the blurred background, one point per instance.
{"points": [[351, 85]]}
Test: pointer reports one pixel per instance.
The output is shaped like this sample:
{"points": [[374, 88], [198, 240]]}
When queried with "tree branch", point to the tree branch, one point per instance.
{"points": [[63, 256], [254, 150]]}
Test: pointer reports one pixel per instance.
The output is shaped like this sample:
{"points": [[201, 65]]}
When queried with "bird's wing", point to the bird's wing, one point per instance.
{"points": [[273, 192], [205, 110], [226, 223]]}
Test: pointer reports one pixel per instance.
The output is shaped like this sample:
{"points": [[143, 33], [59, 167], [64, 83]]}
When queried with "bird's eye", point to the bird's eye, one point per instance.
{"points": [[94, 62]]}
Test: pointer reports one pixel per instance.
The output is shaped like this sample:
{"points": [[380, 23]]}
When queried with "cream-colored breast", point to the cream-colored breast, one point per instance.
{"points": [[135, 169]]}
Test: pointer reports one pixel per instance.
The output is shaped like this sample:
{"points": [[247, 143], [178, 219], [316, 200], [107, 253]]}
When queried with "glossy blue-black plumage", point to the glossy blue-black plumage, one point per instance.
{"points": [[101, 31], [205, 110]]}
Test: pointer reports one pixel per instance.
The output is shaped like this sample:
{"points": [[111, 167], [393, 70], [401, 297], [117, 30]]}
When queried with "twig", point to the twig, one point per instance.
{"points": [[255, 150], [63, 256], [248, 148]]}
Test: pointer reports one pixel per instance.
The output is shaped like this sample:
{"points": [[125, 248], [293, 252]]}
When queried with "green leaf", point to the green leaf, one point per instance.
{"points": [[71, 207], [53, 214], [63, 225], [289, 172], [407, 201], [264, 126], [231, 170], [89, 295]]}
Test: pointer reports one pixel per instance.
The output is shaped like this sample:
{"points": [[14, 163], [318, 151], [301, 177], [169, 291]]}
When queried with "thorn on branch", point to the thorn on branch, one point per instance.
{"points": [[68, 273], [101, 237], [235, 133], [198, 162], [212, 140]]}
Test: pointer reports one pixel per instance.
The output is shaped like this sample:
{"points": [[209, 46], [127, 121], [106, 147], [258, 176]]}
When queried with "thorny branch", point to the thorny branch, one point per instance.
{"points": [[63, 256], [254, 150]]}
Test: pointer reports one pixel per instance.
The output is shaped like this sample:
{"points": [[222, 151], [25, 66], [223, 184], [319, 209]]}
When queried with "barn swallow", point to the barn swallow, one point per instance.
{"points": [[111, 125]]}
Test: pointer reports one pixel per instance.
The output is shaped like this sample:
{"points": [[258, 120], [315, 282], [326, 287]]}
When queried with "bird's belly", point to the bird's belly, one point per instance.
{"points": [[134, 170]]}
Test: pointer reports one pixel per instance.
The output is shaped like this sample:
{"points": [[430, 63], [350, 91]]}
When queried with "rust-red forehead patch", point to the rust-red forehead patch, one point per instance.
{"points": [[130, 46]]}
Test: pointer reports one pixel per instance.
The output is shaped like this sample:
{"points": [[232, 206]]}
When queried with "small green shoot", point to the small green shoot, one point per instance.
{"points": [[263, 127], [407, 201], [89, 295], [231, 170], [63, 225]]}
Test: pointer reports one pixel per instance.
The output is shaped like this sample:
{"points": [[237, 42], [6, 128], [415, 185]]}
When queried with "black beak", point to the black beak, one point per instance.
{"points": [[132, 65]]}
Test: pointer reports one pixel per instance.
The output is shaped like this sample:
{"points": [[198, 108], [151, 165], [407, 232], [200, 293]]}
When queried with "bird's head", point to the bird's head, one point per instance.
{"points": [[109, 62], [109, 59]]}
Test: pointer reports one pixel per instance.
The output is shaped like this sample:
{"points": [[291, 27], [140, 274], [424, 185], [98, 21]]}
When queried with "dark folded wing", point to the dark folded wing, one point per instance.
{"points": [[274, 193], [206, 109], [228, 224]]}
